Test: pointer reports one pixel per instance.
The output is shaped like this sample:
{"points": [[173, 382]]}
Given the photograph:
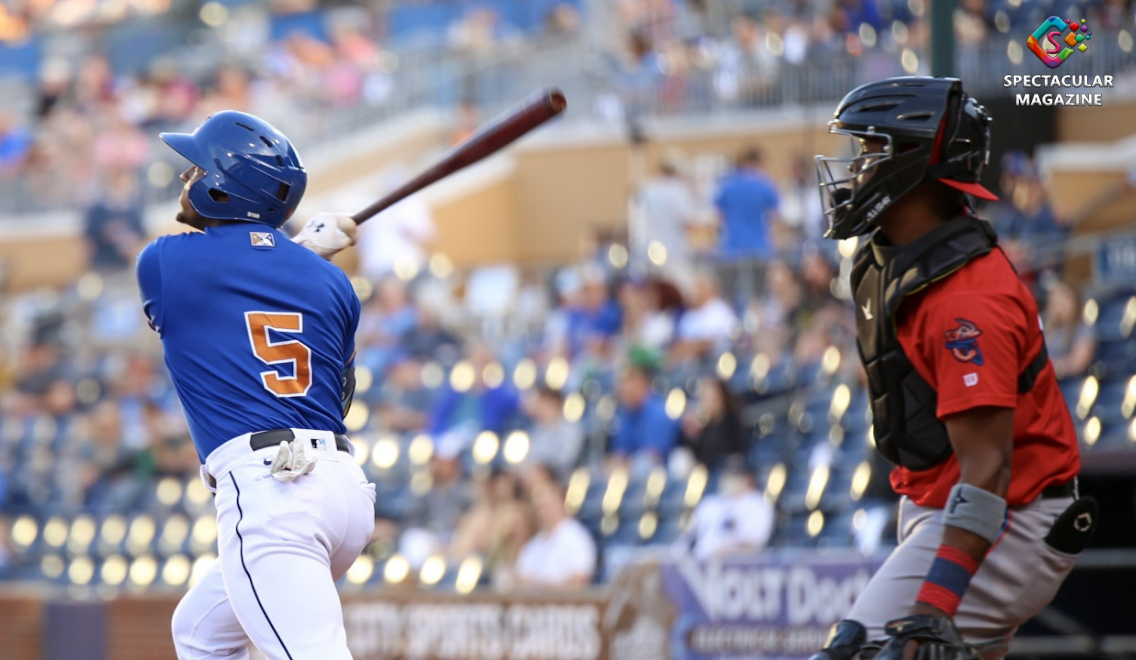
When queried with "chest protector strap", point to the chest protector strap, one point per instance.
{"points": [[907, 432]]}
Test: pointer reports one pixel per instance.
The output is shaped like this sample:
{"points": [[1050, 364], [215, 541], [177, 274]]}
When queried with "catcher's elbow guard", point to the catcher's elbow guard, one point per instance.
{"points": [[844, 641]]}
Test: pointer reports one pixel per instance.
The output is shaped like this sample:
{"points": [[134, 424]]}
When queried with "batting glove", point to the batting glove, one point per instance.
{"points": [[328, 233], [291, 462]]}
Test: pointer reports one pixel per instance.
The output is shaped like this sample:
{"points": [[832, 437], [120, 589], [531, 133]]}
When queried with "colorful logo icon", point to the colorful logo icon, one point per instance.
{"points": [[962, 342], [1050, 48]]}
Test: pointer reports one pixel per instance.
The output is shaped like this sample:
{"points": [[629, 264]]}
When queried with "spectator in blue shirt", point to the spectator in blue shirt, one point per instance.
{"points": [[645, 434], [747, 203], [594, 316], [467, 408]]}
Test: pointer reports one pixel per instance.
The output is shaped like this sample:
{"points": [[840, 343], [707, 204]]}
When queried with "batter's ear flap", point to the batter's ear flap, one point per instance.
{"points": [[1074, 528]]}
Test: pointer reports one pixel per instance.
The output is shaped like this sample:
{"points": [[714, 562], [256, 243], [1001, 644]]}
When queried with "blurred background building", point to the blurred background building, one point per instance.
{"points": [[624, 340]]}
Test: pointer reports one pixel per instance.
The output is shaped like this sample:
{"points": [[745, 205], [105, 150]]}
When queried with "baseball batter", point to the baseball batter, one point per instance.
{"points": [[965, 402], [258, 333]]}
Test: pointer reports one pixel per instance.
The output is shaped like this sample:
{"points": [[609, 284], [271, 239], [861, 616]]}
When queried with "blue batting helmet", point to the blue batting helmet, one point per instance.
{"points": [[248, 160]]}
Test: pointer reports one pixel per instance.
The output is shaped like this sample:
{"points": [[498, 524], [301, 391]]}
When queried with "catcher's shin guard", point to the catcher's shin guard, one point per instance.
{"points": [[844, 641]]}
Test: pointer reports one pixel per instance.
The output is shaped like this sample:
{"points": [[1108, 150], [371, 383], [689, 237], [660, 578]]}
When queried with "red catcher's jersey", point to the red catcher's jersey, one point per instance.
{"points": [[969, 336]]}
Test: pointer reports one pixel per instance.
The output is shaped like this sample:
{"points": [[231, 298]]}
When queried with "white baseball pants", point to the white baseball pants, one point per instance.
{"points": [[281, 547]]}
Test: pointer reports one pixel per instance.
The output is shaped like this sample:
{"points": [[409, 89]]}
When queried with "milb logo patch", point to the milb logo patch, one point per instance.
{"points": [[962, 342], [1046, 44], [262, 239]]}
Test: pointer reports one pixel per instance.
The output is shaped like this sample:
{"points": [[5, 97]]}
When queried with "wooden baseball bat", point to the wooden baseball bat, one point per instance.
{"points": [[489, 139]]}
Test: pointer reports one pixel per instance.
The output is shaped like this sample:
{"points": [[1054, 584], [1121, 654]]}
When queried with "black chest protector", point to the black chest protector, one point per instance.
{"points": [[907, 432]]}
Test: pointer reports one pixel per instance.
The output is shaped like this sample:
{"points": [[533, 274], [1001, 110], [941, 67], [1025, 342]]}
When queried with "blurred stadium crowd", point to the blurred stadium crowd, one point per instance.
{"points": [[83, 110], [587, 410], [669, 394]]}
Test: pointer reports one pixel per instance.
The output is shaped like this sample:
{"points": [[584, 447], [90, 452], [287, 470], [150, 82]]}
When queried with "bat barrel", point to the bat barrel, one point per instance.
{"points": [[491, 138]]}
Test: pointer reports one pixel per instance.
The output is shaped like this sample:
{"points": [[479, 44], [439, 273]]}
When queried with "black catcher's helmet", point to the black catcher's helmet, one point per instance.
{"points": [[925, 128]]}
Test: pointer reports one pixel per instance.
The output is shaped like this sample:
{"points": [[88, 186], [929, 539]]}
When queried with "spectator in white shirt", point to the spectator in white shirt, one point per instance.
{"points": [[709, 323], [736, 520], [562, 553], [665, 208]]}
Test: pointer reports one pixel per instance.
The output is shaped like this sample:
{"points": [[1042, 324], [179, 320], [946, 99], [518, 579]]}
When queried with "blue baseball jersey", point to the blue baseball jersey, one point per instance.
{"points": [[258, 332]]}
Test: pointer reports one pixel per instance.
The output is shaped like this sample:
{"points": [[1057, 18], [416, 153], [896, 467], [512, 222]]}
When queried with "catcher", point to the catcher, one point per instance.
{"points": [[964, 399]]}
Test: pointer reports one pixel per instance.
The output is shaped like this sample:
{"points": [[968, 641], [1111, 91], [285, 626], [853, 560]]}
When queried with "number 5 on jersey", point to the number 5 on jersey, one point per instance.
{"points": [[280, 353]]}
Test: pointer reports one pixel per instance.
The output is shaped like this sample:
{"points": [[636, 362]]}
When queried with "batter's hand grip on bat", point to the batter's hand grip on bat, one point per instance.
{"points": [[489, 139]]}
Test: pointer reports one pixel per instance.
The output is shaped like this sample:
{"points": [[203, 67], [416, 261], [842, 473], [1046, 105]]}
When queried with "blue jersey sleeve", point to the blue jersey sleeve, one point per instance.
{"points": [[149, 272]]}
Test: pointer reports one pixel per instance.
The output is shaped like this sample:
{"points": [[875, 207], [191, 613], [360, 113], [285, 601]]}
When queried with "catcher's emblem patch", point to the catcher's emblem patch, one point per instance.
{"points": [[962, 342], [262, 239]]}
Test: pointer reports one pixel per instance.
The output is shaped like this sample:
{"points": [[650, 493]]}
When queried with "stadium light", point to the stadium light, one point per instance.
{"points": [[363, 288], [1089, 391], [516, 447], [647, 525], [462, 377], [140, 535], [441, 266], [204, 534], [524, 374], [197, 495], [396, 570], [82, 533], [51, 566], [817, 483], [55, 532], [433, 569], [1128, 406], [695, 486], [676, 403], [727, 365], [1092, 431], [616, 487], [493, 375], [841, 399], [469, 574], [421, 449], [815, 523], [363, 379], [836, 435], [485, 447], [577, 489], [386, 451], [176, 571], [556, 375], [143, 571], [361, 570], [830, 360], [362, 450], [169, 491], [1129, 319], [174, 533], [24, 532], [860, 479], [114, 570], [356, 418], [81, 571], [656, 483], [775, 483], [574, 406]]}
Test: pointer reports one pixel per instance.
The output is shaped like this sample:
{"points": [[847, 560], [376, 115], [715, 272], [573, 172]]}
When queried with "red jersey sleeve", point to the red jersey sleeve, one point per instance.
{"points": [[968, 347]]}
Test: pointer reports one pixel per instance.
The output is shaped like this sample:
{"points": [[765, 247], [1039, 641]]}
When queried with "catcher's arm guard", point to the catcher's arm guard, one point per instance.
{"points": [[937, 637]]}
